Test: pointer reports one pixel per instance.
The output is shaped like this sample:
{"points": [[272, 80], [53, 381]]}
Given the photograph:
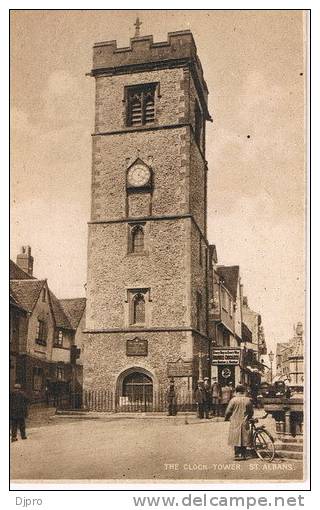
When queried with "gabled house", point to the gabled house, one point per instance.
{"points": [[42, 337], [236, 331], [225, 321]]}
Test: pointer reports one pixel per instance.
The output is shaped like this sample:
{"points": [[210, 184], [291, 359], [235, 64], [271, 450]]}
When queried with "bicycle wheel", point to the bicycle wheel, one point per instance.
{"points": [[264, 445]]}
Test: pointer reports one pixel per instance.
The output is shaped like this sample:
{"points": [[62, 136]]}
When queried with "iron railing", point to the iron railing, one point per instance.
{"points": [[108, 401]]}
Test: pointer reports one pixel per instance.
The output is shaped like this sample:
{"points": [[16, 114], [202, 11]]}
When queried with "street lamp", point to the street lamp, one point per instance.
{"points": [[271, 358]]}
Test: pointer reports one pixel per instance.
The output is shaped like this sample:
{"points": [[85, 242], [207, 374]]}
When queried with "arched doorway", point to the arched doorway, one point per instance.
{"points": [[136, 391]]}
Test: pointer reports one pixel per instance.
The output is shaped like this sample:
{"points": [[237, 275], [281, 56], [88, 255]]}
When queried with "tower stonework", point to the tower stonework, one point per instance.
{"points": [[147, 241]]}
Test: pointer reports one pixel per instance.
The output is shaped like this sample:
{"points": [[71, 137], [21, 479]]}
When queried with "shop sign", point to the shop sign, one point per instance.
{"points": [[226, 357], [180, 368]]}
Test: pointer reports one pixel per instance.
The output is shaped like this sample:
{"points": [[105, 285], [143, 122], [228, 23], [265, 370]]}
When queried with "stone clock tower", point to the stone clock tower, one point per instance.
{"points": [[146, 315]]}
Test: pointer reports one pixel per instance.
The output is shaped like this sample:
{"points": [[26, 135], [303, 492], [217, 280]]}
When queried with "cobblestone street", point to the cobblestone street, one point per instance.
{"points": [[149, 448]]}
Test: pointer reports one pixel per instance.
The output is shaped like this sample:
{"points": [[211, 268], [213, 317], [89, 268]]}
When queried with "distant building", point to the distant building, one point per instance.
{"points": [[254, 344], [290, 359], [236, 330], [42, 335]]}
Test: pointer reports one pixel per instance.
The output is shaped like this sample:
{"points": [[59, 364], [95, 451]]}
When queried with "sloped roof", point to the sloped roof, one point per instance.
{"points": [[16, 273], [230, 277], [282, 346], [15, 304], [26, 292], [60, 317], [74, 308]]}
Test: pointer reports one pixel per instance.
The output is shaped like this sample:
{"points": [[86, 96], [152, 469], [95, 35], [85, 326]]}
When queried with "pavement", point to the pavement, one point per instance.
{"points": [[113, 447]]}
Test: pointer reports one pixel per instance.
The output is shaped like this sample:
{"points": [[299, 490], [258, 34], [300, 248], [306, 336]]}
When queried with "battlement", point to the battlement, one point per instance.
{"points": [[143, 53]]}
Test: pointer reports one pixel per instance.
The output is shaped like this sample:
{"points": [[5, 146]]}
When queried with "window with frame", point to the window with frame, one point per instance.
{"points": [[37, 378], [58, 341], [41, 332], [138, 315], [199, 310], [140, 101], [44, 295], [137, 239]]}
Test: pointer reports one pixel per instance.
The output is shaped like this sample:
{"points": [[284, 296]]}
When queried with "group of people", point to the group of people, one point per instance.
{"points": [[216, 400], [212, 399]]}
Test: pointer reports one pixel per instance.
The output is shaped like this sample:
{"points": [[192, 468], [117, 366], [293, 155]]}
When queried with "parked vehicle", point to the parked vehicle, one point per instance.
{"points": [[276, 390]]}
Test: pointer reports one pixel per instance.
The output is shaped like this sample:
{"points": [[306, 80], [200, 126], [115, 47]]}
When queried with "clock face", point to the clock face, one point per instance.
{"points": [[138, 175]]}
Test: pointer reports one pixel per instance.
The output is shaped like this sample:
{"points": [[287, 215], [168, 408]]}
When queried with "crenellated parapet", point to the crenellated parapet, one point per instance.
{"points": [[145, 54]]}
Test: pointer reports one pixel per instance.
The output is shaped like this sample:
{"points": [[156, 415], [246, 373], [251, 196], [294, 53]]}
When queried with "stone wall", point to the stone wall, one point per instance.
{"points": [[108, 360], [164, 151], [164, 270], [111, 104]]}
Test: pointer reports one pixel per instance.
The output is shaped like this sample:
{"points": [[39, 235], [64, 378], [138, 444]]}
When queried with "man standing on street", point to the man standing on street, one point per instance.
{"points": [[18, 412], [200, 398], [171, 399], [216, 396], [208, 398], [239, 411], [226, 394]]}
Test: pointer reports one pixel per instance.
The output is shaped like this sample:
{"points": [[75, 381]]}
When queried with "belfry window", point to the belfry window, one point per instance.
{"points": [[139, 309], [137, 239], [140, 104]]}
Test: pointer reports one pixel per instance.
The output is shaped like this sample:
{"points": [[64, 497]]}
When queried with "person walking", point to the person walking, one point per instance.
{"points": [[171, 399], [216, 396], [239, 412], [208, 398], [226, 395], [200, 398], [18, 412]]}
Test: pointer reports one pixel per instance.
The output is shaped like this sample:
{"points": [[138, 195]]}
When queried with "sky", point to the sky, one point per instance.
{"points": [[254, 66]]}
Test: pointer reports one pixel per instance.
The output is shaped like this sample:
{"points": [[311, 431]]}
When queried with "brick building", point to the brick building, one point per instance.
{"points": [[146, 313]]}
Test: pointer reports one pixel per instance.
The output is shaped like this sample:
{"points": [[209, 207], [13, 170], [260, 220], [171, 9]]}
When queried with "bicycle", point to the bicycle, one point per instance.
{"points": [[262, 441]]}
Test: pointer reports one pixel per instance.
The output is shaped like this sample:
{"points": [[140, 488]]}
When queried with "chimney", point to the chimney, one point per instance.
{"points": [[25, 260]]}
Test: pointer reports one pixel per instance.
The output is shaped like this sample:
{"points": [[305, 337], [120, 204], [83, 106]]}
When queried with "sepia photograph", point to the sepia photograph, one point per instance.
{"points": [[158, 246]]}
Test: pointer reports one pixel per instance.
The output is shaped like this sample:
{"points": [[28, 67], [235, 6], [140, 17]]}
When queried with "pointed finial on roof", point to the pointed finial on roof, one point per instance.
{"points": [[137, 24]]}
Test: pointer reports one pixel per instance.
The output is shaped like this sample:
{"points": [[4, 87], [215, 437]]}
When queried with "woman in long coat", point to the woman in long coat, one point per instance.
{"points": [[239, 412]]}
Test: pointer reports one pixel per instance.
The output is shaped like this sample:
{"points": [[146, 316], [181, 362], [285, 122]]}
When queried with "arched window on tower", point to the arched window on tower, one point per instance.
{"points": [[137, 239], [139, 309]]}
